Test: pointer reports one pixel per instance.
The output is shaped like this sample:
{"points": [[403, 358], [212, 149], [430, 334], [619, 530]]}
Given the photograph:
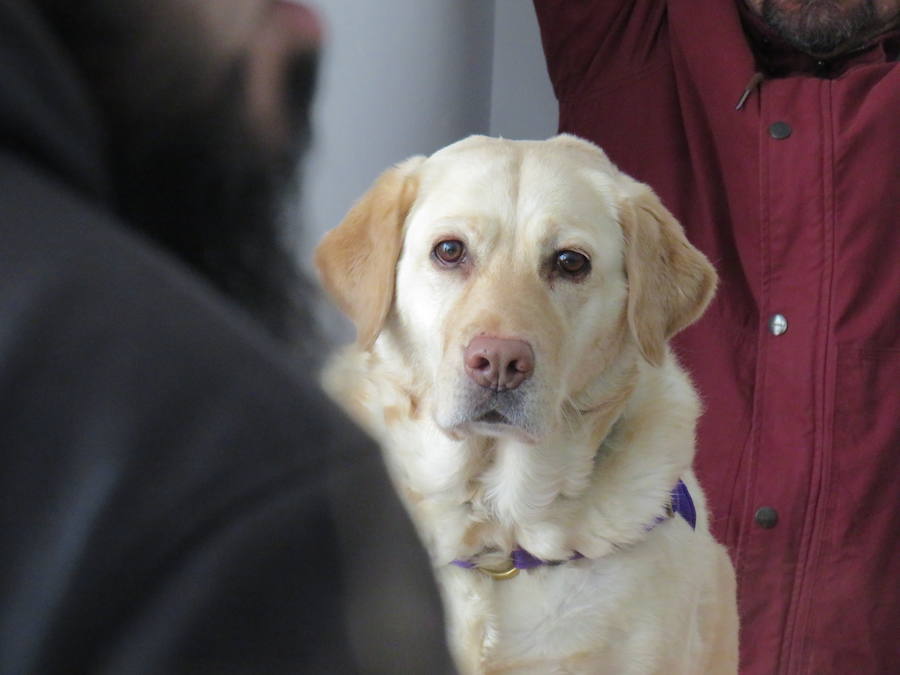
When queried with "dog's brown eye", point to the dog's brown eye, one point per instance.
{"points": [[450, 252], [572, 263]]}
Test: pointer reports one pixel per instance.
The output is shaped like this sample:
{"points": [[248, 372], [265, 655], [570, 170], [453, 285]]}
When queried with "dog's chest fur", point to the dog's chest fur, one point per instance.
{"points": [[578, 617]]}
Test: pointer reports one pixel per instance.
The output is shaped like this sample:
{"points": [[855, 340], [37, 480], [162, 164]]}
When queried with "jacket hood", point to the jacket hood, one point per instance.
{"points": [[46, 113]]}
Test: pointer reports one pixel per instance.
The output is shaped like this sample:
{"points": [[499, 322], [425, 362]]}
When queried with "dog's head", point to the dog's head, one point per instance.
{"points": [[511, 275]]}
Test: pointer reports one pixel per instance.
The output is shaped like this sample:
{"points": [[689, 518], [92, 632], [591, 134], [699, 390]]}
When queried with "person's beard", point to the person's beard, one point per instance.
{"points": [[822, 27], [199, 180], [189, 169]]}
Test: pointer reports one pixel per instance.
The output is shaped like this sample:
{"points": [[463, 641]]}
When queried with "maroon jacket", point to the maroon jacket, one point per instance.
{"points": [[796, 200]]}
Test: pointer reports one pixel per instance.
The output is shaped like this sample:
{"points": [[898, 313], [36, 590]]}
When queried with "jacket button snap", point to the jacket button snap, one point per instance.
{"points": [[780, 130], [778, 324], [766, 517]]}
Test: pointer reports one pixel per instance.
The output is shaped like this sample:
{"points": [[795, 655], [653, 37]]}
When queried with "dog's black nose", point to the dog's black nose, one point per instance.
{"points": [[498, 363]]}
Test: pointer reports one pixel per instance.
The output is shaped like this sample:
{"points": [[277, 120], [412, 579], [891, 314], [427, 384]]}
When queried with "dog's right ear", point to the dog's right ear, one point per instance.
{"points": [[356, 261]]}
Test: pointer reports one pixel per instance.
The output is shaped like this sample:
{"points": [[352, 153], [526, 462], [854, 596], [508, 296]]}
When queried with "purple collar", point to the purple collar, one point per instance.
{"points": [[520, 559]]}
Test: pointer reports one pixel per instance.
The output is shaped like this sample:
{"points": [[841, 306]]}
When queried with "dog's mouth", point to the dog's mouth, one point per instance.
{"points": [[497, 429], [498, 414], [493, 417]]}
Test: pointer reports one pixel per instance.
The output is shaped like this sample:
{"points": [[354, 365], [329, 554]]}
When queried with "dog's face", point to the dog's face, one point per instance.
{"points": [[511, 275], [511, 283]]}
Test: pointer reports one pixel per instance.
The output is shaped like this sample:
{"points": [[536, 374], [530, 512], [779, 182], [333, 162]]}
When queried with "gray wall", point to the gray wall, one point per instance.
{"points": [[406, 77], [522, 101]]}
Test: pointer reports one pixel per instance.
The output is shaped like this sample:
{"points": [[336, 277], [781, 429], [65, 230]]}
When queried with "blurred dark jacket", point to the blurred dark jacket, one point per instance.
{"points": [[175, 496]]}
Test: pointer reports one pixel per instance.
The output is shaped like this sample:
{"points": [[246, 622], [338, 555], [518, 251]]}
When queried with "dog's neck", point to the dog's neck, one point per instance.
{"points": [[498, 565], [592, 486]]}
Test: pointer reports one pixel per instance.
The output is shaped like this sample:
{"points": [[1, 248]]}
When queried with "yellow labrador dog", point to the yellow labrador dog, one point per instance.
{"points": [[513, 302]]}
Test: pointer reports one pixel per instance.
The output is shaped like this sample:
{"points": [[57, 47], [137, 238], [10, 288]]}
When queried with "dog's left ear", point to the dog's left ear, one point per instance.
{"points": [[670, 282], [357, 260]]}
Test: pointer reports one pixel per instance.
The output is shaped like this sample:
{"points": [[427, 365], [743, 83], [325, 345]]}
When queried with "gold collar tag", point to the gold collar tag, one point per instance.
{"points": [[507, 572]]}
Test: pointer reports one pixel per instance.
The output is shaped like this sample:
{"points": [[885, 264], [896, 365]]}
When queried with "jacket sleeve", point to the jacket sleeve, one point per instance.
{"points": [[592, 42]]}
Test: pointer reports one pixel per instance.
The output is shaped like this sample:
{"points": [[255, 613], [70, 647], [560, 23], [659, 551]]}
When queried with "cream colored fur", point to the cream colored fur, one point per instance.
{"points": [[606, 424]]}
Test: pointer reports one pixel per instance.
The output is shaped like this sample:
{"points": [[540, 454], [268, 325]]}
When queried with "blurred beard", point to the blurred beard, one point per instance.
{"points": [[822, 27], [197, 178]]}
